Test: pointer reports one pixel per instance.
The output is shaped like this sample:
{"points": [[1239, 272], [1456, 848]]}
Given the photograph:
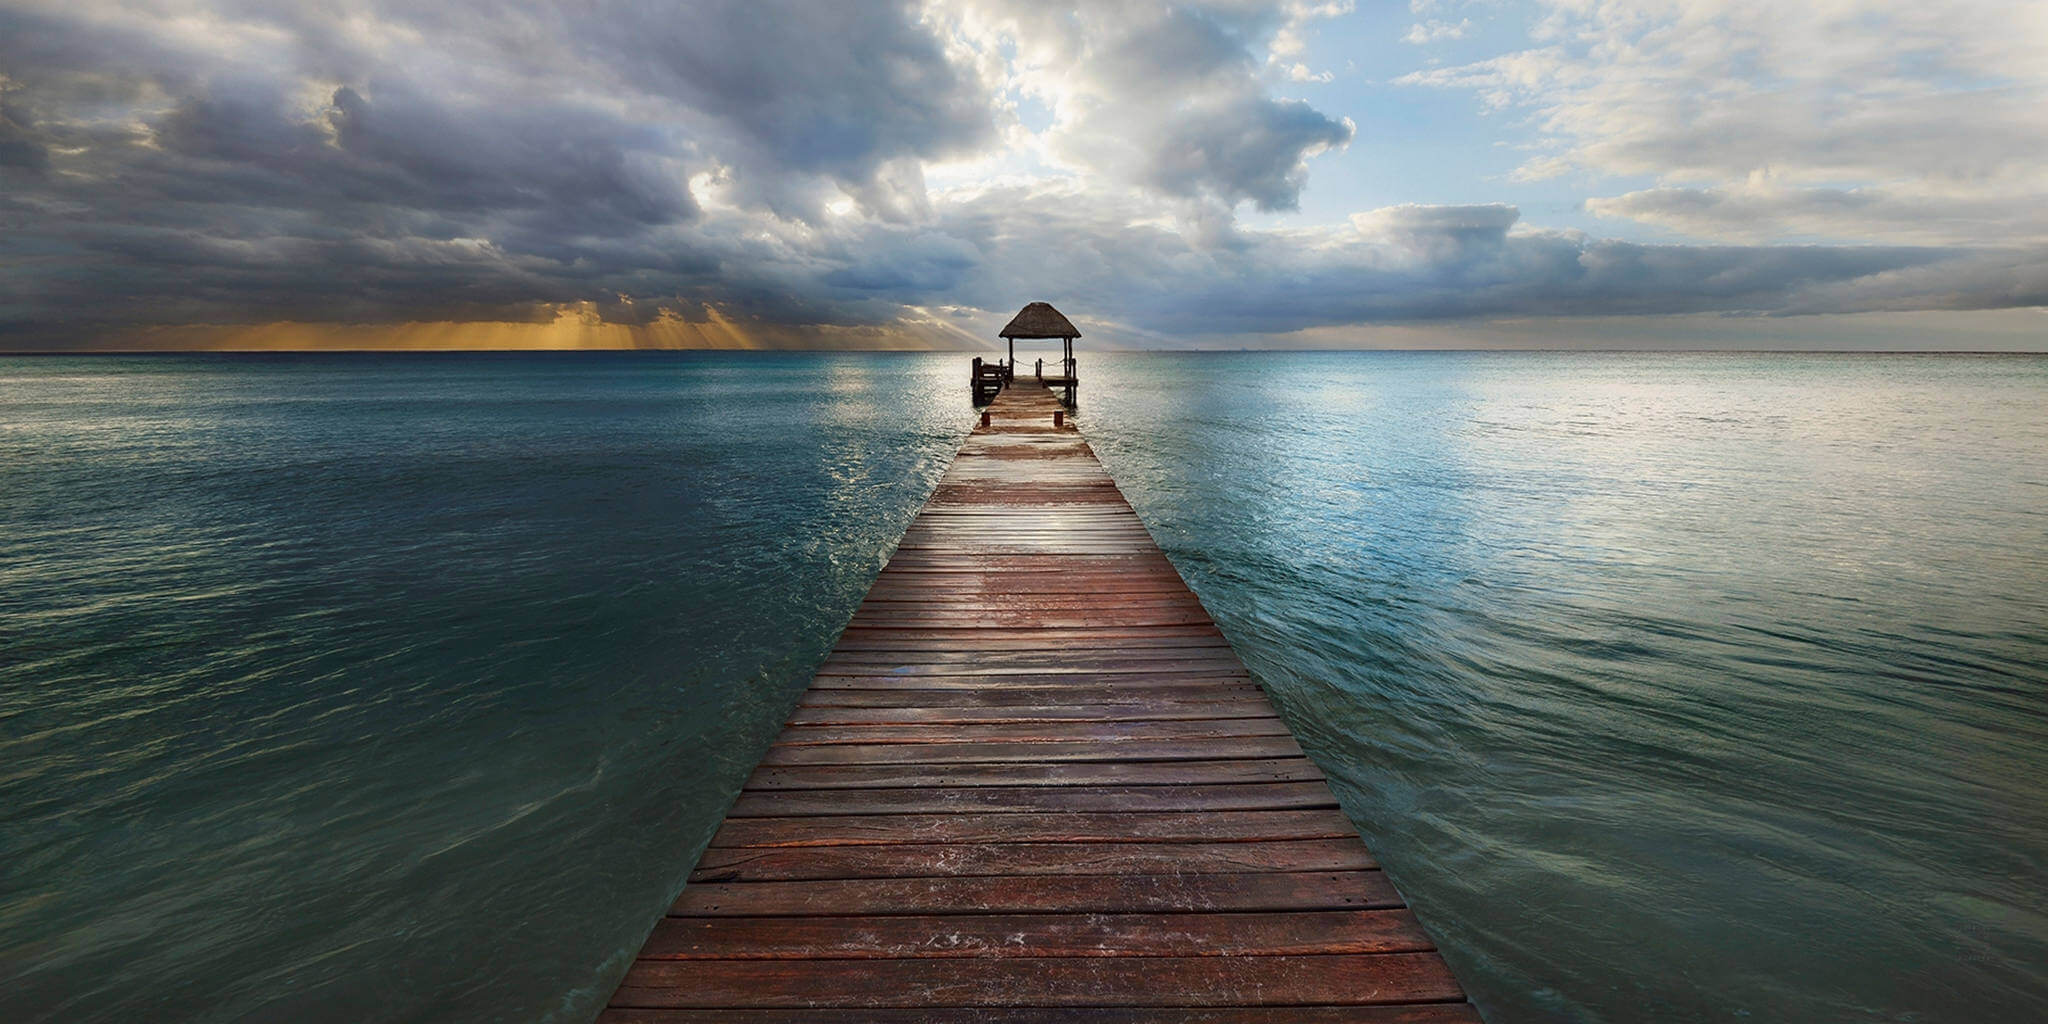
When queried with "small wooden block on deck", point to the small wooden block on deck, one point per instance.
{"points": [[1033, 783]]}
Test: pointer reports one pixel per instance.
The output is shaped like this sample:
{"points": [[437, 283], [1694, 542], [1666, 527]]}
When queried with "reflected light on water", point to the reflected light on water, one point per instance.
{"points": [[1672, 686]]}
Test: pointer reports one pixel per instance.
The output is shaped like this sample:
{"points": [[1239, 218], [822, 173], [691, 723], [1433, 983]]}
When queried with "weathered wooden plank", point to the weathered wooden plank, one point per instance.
{"points": [[1048, 671], [854, 637], [1042, 894], [1181, 694], [880, 644], [1042, 568], [1075, 681], [1079, 750], [1050, 650], [1034, 773], [1124, 589], [1406, 1013], [1019, 799], [1031, 731], [1029, 827], [1003, 619], [1141, 710], [770, 864], [1071, 678], [1097, 608], [1295, 933], [1049, 981], [897, 592]]}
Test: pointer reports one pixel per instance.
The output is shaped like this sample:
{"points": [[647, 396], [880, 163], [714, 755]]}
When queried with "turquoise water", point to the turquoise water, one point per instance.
{"points": [[406, 687]]}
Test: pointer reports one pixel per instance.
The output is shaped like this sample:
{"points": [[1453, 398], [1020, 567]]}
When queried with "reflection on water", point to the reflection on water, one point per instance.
{"points": [[1683, 687], [370, 687], [366, 687]]}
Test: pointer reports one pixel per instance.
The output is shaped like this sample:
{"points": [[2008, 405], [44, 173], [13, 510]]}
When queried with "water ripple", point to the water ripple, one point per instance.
{"points": [[365, 687], [1673, 687]]}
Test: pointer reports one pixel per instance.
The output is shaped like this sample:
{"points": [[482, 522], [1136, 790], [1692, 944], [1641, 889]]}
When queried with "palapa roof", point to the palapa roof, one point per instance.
{"points": [[1039, 320]]}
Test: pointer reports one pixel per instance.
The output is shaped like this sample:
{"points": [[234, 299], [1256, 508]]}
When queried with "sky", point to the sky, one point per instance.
{"points": [[845, 174]]}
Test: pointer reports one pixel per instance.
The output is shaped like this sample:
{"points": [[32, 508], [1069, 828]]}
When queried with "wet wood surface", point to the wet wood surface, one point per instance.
{"points": [[1033, 783]]}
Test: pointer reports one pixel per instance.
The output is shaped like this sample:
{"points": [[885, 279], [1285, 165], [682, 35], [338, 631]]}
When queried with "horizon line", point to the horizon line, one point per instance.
{"points": [[4, 353]]}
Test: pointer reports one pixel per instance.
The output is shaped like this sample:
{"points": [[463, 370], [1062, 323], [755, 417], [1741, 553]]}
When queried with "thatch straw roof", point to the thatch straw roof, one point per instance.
{"points": [[1039, 320]]}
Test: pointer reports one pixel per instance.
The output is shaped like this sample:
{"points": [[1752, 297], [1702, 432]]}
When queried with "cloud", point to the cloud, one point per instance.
{"points": [[843, 91], [1433, 30], [1996, 280], [765, 173], [1167, 97], [446, 160], [1761, 210], [1395, 265], [1869, 121], [1240, 147], [1435, 234]]}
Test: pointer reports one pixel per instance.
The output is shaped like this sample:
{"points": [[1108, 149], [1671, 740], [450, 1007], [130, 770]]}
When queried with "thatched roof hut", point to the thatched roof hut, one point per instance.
{"points": [[1039, 320]]}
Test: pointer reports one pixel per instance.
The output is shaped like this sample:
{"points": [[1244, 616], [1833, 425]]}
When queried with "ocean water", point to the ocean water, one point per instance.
{"points": [[1689, 688], [349, 688]]}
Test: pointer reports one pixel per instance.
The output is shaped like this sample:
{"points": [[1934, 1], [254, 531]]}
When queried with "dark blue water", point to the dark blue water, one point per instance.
{"points": [[406, 687]]}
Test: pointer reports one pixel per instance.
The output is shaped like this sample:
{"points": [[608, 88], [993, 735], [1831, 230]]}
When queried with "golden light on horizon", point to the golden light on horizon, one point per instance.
{"points": [[575, 326]]}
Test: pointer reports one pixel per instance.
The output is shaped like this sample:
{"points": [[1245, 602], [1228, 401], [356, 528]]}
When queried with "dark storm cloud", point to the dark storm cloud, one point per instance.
{"points": [[1248, 147], [1400, 264], [836, 90], [278, 161], [18, 146]]}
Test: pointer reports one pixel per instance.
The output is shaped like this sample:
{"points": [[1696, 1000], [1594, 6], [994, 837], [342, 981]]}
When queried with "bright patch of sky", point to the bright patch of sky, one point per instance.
{"points": [[1418, 144]]}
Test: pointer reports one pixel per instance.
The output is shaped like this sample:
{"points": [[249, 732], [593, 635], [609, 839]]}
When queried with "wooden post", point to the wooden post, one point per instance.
{"points": [[1073, 371]]}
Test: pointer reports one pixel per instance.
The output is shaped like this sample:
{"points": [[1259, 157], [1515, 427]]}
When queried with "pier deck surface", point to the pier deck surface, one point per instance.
{"points": [[1034, 783]]}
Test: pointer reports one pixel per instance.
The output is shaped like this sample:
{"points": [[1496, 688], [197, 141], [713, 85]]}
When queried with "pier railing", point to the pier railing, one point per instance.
{"points": [[989, 378], [1068, 378]]}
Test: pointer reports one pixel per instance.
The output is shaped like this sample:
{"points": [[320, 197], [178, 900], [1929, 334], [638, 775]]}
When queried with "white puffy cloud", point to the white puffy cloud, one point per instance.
{"points": [[1853, 119], [1168, 97], [1433, 30]]}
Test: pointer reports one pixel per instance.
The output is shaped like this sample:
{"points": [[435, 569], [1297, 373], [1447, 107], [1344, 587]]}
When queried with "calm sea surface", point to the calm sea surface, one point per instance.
{"points": [[1687, 688]]}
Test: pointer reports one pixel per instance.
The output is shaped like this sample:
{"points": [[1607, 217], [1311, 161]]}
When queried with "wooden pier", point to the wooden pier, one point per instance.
{"points": [[1033, 783]]}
